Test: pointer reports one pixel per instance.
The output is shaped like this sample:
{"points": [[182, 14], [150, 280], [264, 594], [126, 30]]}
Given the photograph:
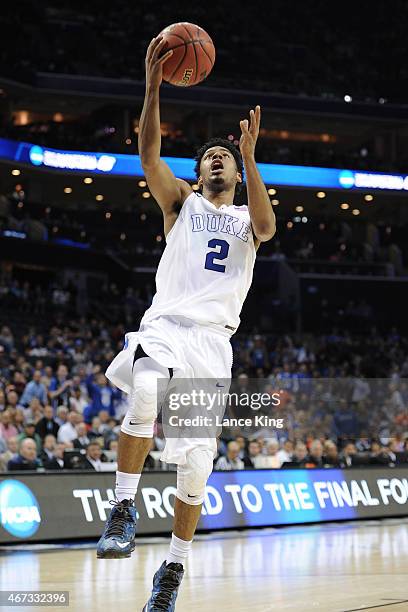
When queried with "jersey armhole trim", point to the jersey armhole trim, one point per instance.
{"points": [[180, 215], [186, 200]]}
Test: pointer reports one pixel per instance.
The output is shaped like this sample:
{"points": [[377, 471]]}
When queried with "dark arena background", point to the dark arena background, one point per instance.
{"points": [[307, 510]]}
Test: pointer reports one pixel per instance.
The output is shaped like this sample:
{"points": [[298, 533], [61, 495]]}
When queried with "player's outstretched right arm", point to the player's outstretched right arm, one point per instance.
{"points": [[168, 191]]}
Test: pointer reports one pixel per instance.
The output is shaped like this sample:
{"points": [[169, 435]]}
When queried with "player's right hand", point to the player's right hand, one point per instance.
{"points": [[154, 62]]}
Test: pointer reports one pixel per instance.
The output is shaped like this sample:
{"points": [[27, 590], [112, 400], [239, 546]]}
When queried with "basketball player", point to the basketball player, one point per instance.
{"points": [[202, 280]]}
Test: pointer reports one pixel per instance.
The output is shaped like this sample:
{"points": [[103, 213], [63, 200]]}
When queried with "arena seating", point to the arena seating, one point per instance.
{"points": [[46, 347], [306, 57]]}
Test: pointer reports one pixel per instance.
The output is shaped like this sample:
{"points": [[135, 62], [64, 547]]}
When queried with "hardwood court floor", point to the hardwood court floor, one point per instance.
{"points": [[331, 568]]}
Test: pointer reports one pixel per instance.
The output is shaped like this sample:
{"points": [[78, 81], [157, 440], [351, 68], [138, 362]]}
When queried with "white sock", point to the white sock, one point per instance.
{"points": [[179, 550], [126, 485]]}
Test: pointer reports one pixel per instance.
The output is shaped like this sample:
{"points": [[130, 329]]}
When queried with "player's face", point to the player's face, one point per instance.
{"points": [[218, 170]]}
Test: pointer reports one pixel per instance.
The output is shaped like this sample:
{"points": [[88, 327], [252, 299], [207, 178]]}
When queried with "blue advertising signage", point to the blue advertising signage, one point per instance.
{"points": [[67, 504], [282, 497], [116, 164]]}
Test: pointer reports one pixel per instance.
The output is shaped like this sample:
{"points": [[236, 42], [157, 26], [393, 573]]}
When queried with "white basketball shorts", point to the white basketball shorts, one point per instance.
{"points": [[190, 350]]}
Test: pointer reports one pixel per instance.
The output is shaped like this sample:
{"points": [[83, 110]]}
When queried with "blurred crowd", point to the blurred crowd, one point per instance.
{"points": [[312, 51], [351, 244], [344, 398], [241, 454]]}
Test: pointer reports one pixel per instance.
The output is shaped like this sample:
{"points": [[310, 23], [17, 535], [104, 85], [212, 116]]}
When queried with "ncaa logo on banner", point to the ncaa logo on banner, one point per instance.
{"points": [[36, 155], [19, 509], [346, 179]]}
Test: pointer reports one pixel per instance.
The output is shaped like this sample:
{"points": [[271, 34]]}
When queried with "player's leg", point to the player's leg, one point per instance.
{"points": [[191, 481], [118, 538], [209, 360]]}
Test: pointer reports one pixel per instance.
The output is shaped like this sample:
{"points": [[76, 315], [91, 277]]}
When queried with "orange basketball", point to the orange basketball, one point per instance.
{"points": [[193, 54]]}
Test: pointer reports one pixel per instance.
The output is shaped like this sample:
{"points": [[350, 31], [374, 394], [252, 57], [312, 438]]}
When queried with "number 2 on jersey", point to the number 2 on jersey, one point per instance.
{"points": [[213, 255]]}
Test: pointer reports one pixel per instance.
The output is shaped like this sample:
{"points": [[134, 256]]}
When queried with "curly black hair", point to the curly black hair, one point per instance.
{"points": [[227, 144]]}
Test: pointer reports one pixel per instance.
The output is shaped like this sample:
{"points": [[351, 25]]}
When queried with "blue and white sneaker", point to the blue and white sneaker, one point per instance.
{"points": [[118, 538], [166, 584]]}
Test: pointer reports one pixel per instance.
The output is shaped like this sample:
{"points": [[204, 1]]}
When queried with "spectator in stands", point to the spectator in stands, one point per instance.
{"points": [[60, 387], [82, 441], [47, 376], [331, 454], [335, 354], [94, 431], [315, 457], [285, 454], [56, 461], [92, 459], [345, 421], [35, 411], [399, 450], [271, 460], [259, 354], [34, 388], [388, 450], [102, 395], [62, 415], [299, 457], [19, 381], [11, 451], [397, 443], [68, 432], [48, 448], [26, 458], [78, 400], [347, 454], [287, 379], [47, 424], [252, 453], [363, 444], [111, 433], [262, 442], [240, 440], [7, 429], [12, 400], [380, 454], [6, 338], [18, 420], [29, 432], [240, 389], [231, 460], [113, 448], [104, 421]]}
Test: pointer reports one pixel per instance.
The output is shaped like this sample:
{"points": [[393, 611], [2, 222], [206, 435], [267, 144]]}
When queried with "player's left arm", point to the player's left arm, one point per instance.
{"points": [[260, 208]]}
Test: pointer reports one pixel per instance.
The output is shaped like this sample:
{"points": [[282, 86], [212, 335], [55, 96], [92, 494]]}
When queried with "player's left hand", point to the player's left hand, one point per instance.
{"points": [[250, 132]]}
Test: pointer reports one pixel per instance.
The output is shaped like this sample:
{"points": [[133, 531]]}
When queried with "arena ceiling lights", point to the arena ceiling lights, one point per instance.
{"points": [[110, 164]]}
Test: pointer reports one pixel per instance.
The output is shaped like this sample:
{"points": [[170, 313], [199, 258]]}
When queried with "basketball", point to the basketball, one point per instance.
{"points": [[193, 54]]}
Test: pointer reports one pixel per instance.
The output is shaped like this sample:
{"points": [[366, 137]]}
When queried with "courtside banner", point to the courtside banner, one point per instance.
{"points": [[119, 164], [67, 505]]}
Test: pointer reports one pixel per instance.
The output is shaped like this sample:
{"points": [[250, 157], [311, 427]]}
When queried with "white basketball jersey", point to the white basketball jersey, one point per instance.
{"points": [[206, 268]]}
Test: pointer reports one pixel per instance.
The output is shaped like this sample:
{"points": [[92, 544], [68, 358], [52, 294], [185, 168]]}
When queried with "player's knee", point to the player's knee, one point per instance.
{"points": [[193, 475], [142, 413]]}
